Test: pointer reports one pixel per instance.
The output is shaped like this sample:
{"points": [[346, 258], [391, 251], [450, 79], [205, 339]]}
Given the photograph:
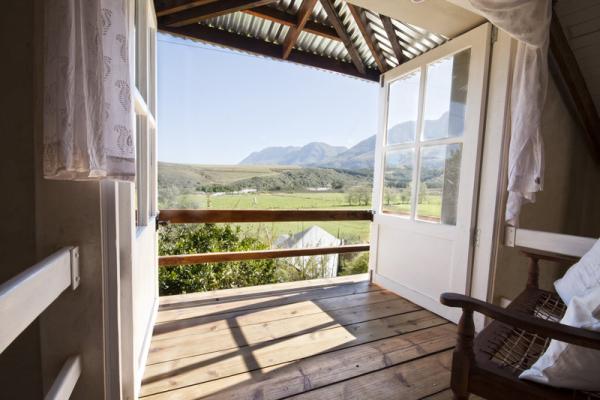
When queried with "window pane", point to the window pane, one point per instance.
{"points": [[397, 188], [446, 97], [403, 109], [438, 183]]}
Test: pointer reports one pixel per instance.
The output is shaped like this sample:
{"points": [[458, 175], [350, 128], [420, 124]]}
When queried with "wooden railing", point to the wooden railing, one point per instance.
{"points": [[249, 216], [225, 216], [24, 297]]}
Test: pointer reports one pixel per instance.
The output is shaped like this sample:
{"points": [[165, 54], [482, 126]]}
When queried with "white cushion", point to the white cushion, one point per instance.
{"points": [[566, 365], [581, 277]]}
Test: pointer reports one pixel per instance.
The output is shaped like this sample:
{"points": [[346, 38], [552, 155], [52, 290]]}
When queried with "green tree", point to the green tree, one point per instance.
{"points": [[189, 239]]}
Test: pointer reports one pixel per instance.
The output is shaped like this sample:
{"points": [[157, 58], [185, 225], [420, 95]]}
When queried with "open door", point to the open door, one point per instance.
{"points": [[427, 169]]}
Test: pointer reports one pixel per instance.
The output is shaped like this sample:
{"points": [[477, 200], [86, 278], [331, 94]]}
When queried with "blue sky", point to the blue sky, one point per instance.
{"points": [[217, 106]]}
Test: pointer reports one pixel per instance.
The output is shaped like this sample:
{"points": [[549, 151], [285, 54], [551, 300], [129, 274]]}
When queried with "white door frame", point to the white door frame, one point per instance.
{"points": [[481, 34]]}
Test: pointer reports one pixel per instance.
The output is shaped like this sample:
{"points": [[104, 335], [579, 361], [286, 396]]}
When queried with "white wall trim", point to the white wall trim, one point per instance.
{"points": [[493, 171], [111, 289], [145, 348], [556, 243]]}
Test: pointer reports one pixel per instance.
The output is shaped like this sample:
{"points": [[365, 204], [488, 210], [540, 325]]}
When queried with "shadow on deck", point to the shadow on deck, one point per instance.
{"points": [[339, 338]]}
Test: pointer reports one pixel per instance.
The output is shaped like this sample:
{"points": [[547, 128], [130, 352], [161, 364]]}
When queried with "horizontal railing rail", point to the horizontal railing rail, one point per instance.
{"points": [[66, 380], [24, 297], [202, 258], [176, 216]]}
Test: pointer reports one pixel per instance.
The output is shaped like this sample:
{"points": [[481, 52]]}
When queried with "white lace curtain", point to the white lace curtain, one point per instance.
{"points": [[88, 114], [528, 21]]}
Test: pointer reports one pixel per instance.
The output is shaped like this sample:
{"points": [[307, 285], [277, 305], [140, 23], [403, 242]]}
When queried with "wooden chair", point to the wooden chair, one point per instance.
{"points": [[489, 364]]}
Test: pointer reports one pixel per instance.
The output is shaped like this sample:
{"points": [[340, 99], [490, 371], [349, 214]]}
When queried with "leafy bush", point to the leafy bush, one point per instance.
{"points": [[357, 265], [189, 239]]}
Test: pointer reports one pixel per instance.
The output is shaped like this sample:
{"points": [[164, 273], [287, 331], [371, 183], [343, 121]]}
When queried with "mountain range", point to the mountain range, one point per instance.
{"points": [[359, 156]]}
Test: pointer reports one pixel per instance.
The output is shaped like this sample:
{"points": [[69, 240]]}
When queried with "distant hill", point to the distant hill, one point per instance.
{"points": [[358, 157], [191, 178], [315, 153]]}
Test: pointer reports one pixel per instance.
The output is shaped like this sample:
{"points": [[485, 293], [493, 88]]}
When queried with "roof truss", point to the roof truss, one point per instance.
{"points": [[336, 21]]}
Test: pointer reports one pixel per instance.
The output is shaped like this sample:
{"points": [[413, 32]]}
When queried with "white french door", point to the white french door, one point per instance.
{"points": [[426, 171]]}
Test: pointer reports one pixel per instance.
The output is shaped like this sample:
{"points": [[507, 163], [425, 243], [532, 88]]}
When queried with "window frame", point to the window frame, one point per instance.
{"points": [[145, 101], [419, 142]]}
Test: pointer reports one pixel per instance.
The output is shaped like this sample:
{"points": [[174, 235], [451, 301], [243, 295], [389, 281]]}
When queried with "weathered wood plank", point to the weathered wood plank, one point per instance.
{"points": [[338, 25], [177, 216], [287, 19], [248, 316], [304, 13], [209, 10], [228, 256], [256, 46], [190, 345], [409, 381], [166, 7], [265, 290], [363, 27], [197, 369], [272, 305], [390, 31], [314, 372]]}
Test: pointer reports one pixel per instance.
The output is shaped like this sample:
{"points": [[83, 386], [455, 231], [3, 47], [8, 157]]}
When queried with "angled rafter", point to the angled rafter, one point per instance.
{"points": [[578, 89], [303, 15], [283, 18], [390, 31], [260, 47], [364, 30], [338, 25], [210, 10], [166, 7]]}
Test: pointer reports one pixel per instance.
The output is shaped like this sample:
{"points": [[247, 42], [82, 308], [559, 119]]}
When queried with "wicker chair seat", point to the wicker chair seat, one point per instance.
{"points": [[502, 350]]}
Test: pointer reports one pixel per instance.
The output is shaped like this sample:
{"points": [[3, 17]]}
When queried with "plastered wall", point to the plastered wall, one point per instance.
{"points": [[20, 372], [569, 202]]}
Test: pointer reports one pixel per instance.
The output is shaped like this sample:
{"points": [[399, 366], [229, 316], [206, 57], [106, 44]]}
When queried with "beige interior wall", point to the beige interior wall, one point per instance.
{"points": [[68, 213], [569, 202], [40, 216], [20, 373]]}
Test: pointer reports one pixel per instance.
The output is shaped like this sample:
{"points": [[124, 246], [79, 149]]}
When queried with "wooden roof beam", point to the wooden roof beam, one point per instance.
{"points": [[338, 25], [256, 46], [390, 31], [304, 13], [167, 7], [364, 30], [575, 82], [284, 18], [210, 10]]}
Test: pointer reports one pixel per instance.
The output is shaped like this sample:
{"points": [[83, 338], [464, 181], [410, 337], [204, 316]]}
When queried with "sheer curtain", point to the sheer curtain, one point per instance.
{"points": [[88, 111], [528, 21]]}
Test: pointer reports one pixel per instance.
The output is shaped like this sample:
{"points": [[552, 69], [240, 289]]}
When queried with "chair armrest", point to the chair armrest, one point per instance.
{"points": [[554, 330]]}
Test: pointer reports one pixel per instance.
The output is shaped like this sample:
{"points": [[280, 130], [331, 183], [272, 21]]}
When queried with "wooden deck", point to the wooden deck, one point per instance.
{"points": [[340, 338]]}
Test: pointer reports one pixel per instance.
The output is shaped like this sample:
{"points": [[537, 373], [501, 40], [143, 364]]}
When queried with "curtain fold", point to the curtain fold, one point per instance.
{"points": [[528, 21], [88, 112]]}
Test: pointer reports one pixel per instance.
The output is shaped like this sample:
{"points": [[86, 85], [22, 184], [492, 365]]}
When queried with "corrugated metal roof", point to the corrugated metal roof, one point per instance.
{"points": [[413, 39]]}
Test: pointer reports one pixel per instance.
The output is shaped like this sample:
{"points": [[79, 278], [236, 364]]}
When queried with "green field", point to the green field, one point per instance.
{"points": [[182, 186], [351, 231]]}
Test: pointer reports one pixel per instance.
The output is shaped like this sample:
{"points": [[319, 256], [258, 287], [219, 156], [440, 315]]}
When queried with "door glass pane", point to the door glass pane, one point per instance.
{"points": [[438, 183], [446, 96], [403, 109], [397, 188]]}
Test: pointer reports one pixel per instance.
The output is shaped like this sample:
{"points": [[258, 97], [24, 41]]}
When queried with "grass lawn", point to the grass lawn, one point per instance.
{"points": [[351, 231]]}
